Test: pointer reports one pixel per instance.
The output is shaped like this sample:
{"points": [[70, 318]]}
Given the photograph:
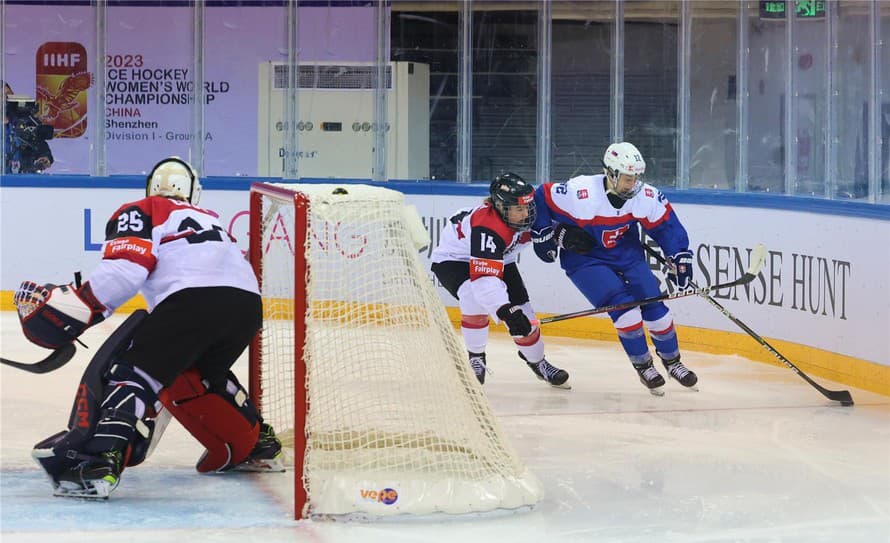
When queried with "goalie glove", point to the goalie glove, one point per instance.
{"points": [[52, 316], [516, 321], [573, 238], [680, 272]]}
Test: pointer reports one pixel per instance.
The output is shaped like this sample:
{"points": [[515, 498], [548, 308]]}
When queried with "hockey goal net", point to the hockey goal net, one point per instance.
{"points": [[358, 367]]}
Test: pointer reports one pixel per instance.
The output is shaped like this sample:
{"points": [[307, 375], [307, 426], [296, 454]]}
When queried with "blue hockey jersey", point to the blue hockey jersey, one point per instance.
{"points": [[582, 201]]}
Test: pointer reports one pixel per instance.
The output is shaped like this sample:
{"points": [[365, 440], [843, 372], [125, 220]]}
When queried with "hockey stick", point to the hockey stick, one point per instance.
{"points": [[54, 361], [757, 258], [842, 396]]}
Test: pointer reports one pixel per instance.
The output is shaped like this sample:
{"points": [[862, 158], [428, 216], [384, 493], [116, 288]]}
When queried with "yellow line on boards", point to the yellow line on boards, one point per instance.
{"points": [[812, 361]]}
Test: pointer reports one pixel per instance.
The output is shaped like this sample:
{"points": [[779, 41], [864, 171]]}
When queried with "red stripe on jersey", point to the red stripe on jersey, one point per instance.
{"points": [[662, 332], [489, 217], [631, 328], [483, 267], [608, 221], [136, 250], [180, 235], [528, 340], [649, 225], [474, 322]]}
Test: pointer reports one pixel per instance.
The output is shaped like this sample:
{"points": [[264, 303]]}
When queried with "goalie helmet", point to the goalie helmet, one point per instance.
{"points": [[624, 158], [514, 200], [174, 178]]}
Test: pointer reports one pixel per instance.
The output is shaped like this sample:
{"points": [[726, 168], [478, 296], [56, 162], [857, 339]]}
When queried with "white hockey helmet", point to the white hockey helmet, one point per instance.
{"points": [[174, 178], [624, 158]]}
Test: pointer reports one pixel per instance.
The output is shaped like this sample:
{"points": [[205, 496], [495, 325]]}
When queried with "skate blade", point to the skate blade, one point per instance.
{"points": [[95, 490], [657, 391], [272, 465], [693, 387], [564, 386]]}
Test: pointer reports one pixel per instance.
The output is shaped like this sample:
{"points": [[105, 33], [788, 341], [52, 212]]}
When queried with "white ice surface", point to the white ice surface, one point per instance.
{"points": [[757, 455]]}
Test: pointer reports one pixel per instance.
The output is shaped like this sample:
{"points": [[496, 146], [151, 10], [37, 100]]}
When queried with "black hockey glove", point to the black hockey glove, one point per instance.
{"points": [[681, 269], [544, 245], [573, 238], [515, 319]]}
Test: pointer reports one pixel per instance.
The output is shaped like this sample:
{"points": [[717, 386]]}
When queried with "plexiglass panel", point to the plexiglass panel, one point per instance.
{"points": [[150, 86], [580, 88], [767, 71], [884, 64], [809, 65], [851, 81], [713, 95], [430, 39], [650, 85], [504, 90], [239, 39]]}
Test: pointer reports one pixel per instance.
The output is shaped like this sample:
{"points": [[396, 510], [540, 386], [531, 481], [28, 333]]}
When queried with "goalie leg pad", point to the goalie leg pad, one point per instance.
{"points": [[128, 412], [220, 418], [63, 450]]}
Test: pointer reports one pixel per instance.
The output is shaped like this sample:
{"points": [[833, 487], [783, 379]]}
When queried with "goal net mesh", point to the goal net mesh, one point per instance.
{"points": [[396, 421]]}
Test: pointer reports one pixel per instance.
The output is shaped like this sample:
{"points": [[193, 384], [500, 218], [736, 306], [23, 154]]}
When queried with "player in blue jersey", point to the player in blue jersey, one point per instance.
{"points": [[591, 223]]}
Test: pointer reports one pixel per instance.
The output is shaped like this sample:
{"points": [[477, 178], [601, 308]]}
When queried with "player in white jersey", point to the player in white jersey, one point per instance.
{"points": [[594, 220], [476, 262], [204, 309]]}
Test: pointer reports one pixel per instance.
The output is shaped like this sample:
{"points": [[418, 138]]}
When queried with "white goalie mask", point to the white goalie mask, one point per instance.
{"points": [[624, 158], [174, 178]]}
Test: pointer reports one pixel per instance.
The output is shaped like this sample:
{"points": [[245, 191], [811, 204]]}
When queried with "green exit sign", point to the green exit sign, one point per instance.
{"points": [[805, 9]]}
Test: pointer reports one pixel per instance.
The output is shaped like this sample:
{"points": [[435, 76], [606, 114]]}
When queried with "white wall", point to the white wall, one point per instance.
{"points": [[826, 282]]}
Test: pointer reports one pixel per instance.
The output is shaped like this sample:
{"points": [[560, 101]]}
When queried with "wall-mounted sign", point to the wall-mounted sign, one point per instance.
{"points": [[805, 9]]}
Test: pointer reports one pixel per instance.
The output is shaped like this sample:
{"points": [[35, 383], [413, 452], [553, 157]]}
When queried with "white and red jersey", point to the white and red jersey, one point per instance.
{"points": [[480, 237], [160, 246]]}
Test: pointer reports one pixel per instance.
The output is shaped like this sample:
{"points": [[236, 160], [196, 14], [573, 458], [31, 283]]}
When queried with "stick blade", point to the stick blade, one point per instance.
{"points": [[842, 396], [54, 361], [758, 258]]}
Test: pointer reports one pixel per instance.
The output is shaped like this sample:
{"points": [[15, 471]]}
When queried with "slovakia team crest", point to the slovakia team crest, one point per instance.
{"points": [[581, 194]]}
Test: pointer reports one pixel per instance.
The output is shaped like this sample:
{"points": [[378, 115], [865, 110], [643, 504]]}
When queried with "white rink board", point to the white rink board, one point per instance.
{"points": [[826, 282]]}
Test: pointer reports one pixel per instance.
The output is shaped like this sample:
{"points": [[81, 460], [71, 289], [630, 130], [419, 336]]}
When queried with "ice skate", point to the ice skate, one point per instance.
{"points": [[677, 371], [546, 371], [266, 454], [477, 362], [94, 478], [650, 378]]}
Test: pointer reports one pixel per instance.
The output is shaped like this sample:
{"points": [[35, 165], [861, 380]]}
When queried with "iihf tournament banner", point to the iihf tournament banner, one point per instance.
{"points": [[49, 53]]}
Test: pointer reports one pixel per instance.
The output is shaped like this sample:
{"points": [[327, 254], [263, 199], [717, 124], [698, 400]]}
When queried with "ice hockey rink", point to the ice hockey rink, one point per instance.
{"points": [[757, 455]]}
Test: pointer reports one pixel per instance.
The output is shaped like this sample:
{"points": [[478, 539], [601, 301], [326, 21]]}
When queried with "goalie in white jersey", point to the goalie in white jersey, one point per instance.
{"points": [[204, 309], [476, 262], [592, 222]]}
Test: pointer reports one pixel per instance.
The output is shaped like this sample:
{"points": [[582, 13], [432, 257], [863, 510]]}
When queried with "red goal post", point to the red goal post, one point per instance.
{"points": [[358, 367]]}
